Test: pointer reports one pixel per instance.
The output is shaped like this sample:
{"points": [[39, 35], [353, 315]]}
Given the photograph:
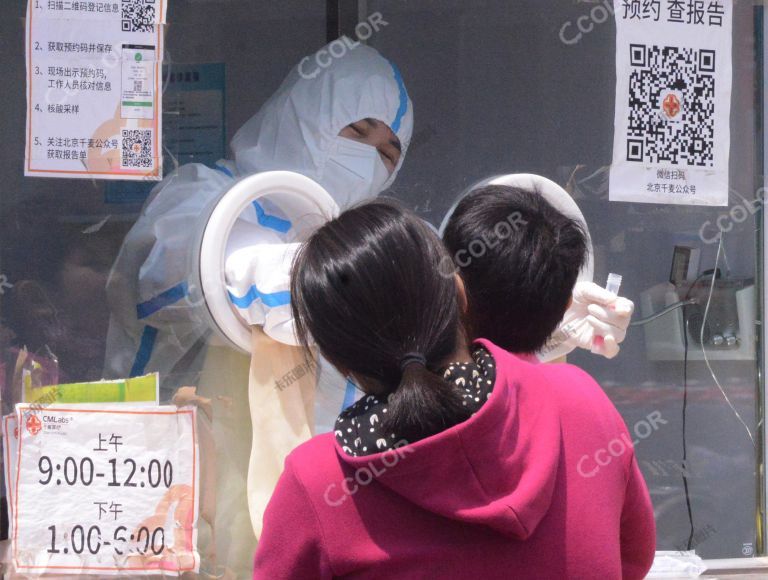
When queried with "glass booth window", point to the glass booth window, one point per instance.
{"points": [[500, 90], [495, 88], [61, 239]]}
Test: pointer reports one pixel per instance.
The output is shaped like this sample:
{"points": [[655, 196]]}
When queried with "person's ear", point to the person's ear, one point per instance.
{"points": [[570, 302], [462, 292]]}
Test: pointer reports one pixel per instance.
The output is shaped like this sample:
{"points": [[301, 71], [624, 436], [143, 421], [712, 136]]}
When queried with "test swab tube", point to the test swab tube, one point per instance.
{"points": [[612, 285]]}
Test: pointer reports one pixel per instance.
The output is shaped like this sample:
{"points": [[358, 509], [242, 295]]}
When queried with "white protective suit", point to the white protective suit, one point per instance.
{"points": [[159, 322], [156, 319]]}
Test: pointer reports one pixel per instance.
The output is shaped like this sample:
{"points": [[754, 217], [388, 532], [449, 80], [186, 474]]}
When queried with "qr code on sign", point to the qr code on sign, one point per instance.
{"points": [[138, 15], [671, 105], [136, 151]]}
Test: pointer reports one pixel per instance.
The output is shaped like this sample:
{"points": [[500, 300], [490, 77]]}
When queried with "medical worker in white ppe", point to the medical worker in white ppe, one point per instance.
{"points": [[347, 126]]}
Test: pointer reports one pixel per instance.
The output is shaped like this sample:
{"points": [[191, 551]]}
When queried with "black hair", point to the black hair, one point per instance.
{"points": [[366, 288], [519, 258]]}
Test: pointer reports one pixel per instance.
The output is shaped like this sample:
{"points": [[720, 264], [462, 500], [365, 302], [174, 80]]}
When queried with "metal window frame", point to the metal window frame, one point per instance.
{"points": [[342, 16]]}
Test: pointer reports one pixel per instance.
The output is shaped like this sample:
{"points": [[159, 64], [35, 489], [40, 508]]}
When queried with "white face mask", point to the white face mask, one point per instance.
{"points": [[353, 171]]}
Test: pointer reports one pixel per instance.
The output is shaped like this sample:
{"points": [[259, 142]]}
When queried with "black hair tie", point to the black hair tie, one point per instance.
{"points": [[412, 358]]}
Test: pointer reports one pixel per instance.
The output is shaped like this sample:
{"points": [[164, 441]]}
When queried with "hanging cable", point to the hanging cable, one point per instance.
{"points": [[660, 313], [706, 357], [685, 446]]}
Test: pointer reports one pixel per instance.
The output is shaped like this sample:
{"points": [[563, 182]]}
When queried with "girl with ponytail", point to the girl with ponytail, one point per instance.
{"points": [[461, 460], [366, 288]]}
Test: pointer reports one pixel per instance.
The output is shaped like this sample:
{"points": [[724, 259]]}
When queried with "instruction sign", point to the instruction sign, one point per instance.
{"points": [[94, 106]]}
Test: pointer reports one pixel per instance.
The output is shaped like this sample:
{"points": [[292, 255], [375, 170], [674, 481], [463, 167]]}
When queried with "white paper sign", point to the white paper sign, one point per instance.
{"points": [[93, 88], [105, 489], [673, 101]]}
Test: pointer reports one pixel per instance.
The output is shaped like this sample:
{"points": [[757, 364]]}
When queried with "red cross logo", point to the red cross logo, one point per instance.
{"points": [[671, 106], [34, 426]]}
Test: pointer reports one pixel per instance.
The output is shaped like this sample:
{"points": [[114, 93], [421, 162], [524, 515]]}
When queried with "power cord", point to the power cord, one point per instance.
{"points": [[687, 300], [714, 273], [661, 313], [685, 414]]}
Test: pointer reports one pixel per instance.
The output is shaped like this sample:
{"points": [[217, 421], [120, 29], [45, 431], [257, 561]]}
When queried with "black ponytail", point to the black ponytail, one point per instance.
{"points": [[423, 404], [367, 288]]}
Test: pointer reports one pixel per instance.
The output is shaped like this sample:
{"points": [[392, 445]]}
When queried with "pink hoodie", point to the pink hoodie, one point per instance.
{"points": [[540, 483]]}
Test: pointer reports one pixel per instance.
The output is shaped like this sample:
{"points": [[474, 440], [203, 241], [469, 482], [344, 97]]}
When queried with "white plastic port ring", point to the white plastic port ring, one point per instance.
{"points": [[553, 193], [302, 200]]}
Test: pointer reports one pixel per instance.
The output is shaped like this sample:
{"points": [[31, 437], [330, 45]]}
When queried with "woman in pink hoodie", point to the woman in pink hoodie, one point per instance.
{"points": [[463, 460]]}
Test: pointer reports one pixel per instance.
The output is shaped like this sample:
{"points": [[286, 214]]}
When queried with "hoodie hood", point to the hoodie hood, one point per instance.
{"points": [[297, 128], [496, 469]]}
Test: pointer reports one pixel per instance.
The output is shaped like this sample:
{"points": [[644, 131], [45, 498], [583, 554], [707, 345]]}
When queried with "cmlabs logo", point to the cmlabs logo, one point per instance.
{"points": [[34, 425]]}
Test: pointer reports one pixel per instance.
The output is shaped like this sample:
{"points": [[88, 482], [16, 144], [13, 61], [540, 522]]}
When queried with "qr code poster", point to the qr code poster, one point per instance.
{"points": [[94, 104], [673, 101]]}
